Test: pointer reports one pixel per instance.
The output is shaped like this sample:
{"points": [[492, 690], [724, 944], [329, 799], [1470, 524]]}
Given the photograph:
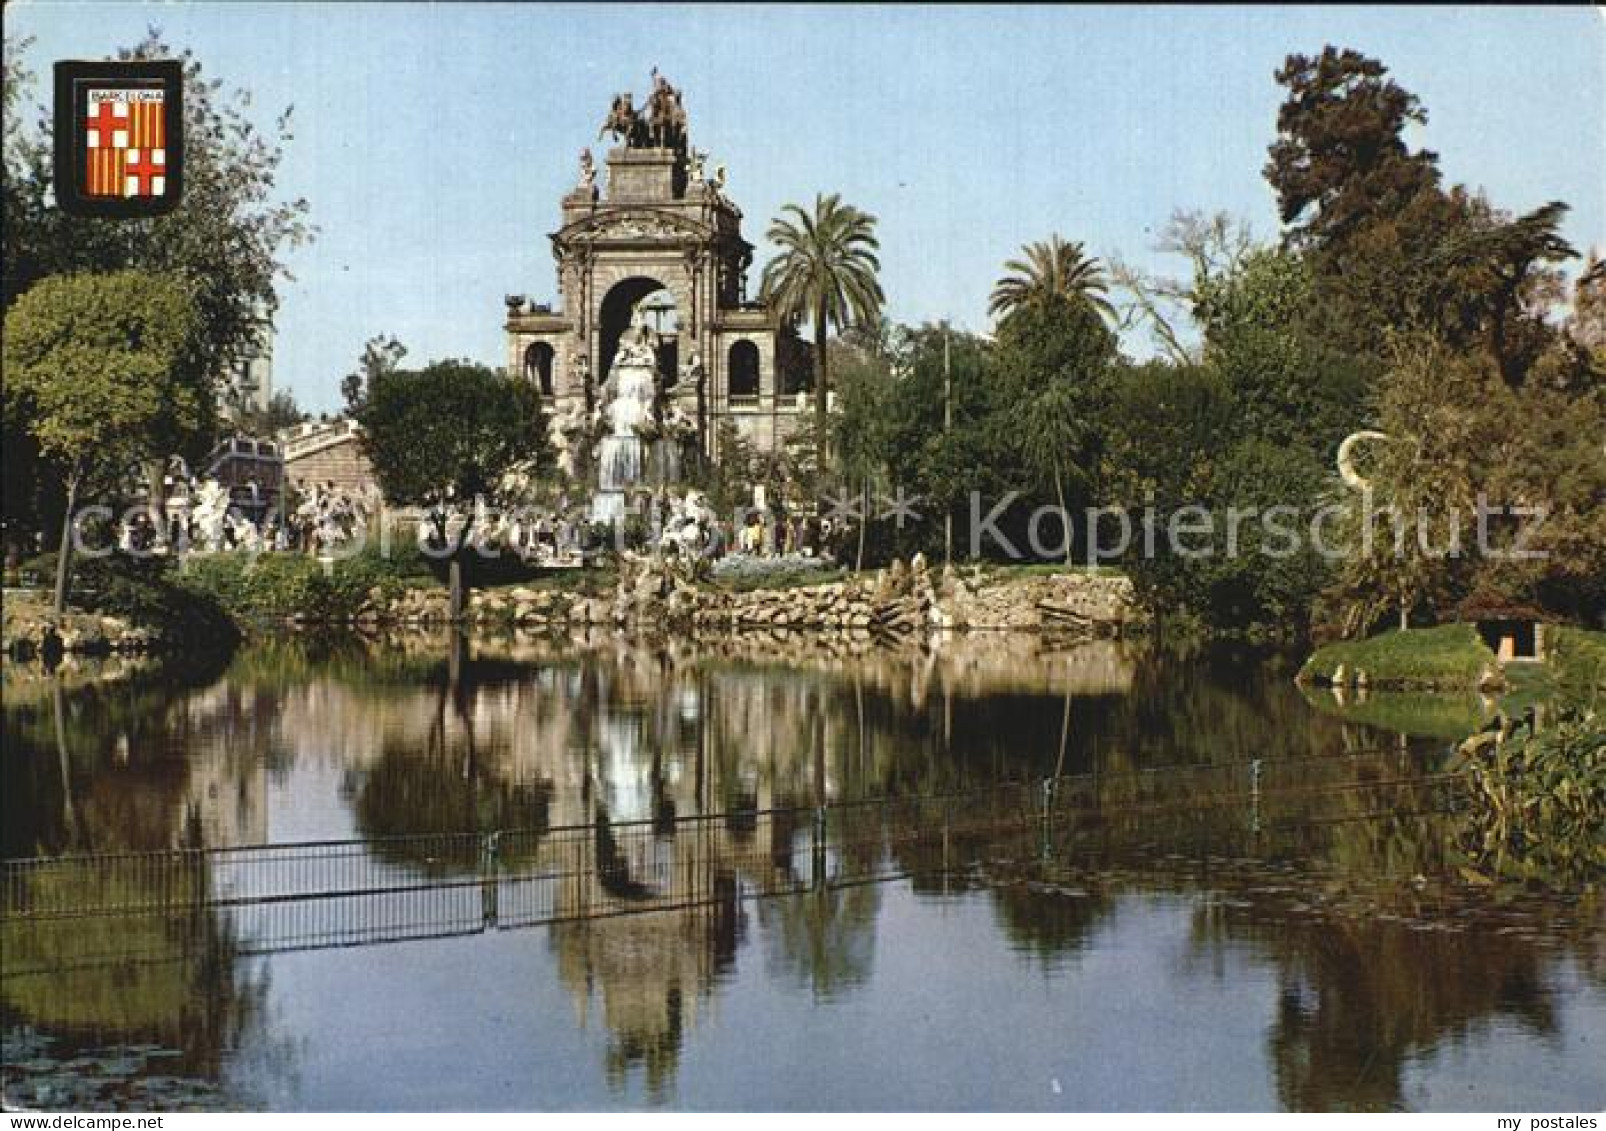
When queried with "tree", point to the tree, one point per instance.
{"points": [[826, 272], [444, 437], [279, 413], [226, 238], [1491, 264], [1340, 158], [1054, 270], [1052, 433], [865, 379], [380, 354], [1366, 208], [98, 360], [1214, 245]]}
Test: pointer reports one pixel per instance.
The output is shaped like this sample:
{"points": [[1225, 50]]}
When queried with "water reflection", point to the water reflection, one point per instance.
{"points": [[1336, 873]]}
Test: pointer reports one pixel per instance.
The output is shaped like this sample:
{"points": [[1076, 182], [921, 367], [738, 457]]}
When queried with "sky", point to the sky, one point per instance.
{"points": [[434, 141]]}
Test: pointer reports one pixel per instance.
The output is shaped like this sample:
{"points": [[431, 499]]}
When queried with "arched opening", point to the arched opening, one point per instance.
{"points": [[742, 373], [538, 366], [662, 315]]}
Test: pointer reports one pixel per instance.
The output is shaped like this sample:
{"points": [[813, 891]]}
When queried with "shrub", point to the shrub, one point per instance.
{"points": [[149, 593], [1539, 800]]}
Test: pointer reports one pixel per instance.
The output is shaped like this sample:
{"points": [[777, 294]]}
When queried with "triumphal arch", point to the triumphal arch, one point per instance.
{"points": [[659, 241]]}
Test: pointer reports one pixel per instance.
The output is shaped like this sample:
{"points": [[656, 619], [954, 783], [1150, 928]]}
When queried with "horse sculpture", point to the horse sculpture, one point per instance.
{"points": [[623, 122], [660, 122], [666, 115]]}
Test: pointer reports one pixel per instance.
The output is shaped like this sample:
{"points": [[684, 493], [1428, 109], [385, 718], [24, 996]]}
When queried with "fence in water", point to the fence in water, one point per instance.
{"points": [[275, 897]]}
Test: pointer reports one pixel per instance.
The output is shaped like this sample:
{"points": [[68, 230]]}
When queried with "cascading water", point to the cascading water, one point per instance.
{"points": [[626, 462]]}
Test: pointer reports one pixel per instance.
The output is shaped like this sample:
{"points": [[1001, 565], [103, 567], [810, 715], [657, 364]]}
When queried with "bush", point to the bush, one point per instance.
{"points": [[281, 586], [1539, 801], [742, 572], [149, 593]]}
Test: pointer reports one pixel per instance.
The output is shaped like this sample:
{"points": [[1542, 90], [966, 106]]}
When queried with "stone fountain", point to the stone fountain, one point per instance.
{"points": [[639, 451]]}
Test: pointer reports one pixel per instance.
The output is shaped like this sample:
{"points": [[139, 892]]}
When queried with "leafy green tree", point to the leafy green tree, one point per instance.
{"points": [[1052, 362], [1493, 267], [380, 354], [227, 238], [279, 413], [1052, 436], [864, 377], [1054, 270], [1391, 249], [826, 271], [97, 360], [446, 435]]}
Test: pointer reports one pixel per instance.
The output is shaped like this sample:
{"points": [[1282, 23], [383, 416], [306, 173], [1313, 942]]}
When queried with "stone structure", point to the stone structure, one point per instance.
{"points": [[661, 238], [252, 470], [327, 452], [248, 383]]}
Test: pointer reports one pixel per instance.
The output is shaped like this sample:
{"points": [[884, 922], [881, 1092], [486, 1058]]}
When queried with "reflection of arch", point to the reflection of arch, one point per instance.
{"points": [[613, 319], [538, 366], [743, 369]]}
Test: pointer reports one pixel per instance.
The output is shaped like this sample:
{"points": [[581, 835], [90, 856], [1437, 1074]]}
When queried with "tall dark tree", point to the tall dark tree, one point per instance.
{"points": [[1353, 195], [1390, 248]]}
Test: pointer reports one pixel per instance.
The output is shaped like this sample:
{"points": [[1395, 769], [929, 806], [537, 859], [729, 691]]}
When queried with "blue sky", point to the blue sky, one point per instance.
{"points": [[434, 140]]}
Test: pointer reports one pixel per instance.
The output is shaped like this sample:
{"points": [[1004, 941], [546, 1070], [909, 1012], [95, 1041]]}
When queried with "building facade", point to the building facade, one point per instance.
{"points": [[327, 453], [660, 235]]}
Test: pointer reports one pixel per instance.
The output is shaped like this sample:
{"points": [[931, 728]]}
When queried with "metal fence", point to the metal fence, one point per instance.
{"points": [[354, 892]]}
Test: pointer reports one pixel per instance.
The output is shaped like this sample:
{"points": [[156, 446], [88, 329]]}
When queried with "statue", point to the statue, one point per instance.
{"points": [[1346, 458], [695, 160], [692, 373], [690, 525], [588, 175], [210, 514], [569, 429], [639, 345], [666, 115], [622, 121]]}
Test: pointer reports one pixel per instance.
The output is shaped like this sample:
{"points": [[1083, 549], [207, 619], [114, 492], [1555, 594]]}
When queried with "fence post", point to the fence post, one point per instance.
{"points": [[1254, 796], [490, 850], [1047, 827], [817, 855], [947, 804]]}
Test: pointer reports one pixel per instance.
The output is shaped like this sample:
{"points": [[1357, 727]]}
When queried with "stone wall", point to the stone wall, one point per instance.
{"points": [[341, 463], [898, 602]]}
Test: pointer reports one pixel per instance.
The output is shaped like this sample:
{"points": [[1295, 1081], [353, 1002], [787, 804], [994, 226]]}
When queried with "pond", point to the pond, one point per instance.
{"points": [[531, 873]]}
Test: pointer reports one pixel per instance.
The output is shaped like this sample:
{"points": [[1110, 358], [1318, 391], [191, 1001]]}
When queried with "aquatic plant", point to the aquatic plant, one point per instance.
{"points": [[1539, 800]]}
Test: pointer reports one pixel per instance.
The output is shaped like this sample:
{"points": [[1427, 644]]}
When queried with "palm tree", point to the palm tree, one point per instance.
{"points": [[1054, 268], [825, 272]]}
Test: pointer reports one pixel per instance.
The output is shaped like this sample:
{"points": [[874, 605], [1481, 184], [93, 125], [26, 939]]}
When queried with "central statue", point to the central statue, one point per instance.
{"points": [[661, 123]]}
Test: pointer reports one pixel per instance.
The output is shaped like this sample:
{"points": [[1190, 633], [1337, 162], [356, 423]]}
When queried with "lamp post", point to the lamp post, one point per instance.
{"points": [[947, 428]]}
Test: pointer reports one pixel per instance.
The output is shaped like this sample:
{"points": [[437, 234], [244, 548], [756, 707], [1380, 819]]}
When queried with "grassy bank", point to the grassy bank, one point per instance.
{"points": [[1450, 657]]}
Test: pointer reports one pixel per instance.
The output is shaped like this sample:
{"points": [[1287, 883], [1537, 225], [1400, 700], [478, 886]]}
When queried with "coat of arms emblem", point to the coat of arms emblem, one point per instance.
{"points": [[119, 137]]}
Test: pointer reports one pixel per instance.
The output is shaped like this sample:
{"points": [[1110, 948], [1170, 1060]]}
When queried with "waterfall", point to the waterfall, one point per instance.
{"points": [[624, 461]]}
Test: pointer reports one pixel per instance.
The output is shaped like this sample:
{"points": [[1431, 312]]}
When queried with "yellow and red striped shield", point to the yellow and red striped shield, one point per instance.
{"points": [[119, 137], [125, 136]]}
